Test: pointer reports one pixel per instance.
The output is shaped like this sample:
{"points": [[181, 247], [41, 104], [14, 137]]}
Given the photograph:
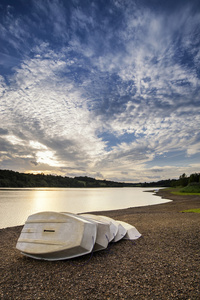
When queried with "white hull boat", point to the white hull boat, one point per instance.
{"points": [[112, 224], [103, 231], [120, 233], [56, 236], [131, 232]]}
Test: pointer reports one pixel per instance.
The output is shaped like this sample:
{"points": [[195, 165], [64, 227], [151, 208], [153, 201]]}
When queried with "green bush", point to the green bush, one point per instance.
{"points": [[193, 187]]}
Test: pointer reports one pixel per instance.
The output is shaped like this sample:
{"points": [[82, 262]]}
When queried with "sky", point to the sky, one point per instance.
{"points": [[107, 88]]}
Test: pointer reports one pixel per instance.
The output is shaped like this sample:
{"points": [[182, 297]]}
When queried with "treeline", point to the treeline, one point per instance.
{"points": [[189, 184], [15, 179], [184, 180], [160, 183], [92, 182]]}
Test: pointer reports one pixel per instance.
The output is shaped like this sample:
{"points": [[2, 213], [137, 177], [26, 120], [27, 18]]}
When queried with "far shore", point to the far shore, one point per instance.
{"points": [[163, 264]]}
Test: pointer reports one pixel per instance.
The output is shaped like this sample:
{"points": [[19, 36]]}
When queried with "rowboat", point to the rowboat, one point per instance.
{"points": [[56, 236], [113, 226], [120, 233], [103, 231], [117, 230], [131, 232]]}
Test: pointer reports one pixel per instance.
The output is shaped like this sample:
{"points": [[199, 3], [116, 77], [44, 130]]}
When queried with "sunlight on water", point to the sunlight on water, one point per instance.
{"points": [[18, 204]]}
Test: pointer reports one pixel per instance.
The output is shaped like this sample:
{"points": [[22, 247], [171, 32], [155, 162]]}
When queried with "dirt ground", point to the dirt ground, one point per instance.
{"points": [[163, 264]]}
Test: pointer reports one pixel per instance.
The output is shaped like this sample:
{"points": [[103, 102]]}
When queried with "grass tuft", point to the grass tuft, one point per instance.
{"points": [[194, 210]]}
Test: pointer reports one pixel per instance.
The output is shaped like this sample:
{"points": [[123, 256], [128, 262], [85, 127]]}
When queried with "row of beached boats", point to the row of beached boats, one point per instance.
{"points": [[57, 236]]}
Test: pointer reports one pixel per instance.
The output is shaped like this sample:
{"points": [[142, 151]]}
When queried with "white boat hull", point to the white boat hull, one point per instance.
{"points": [[131, 232], [112, 225], [103, 231], [58, 236], [54, 236]]}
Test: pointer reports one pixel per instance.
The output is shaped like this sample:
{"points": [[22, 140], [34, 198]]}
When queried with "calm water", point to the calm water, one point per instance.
{"points": [[17, 204]]}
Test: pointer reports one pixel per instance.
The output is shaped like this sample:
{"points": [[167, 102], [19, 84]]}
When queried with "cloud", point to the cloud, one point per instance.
{"points": [[51, 15], [14, 33], [84, 94], [3, 131], [193, 149], [52, 112], [34, 163]]}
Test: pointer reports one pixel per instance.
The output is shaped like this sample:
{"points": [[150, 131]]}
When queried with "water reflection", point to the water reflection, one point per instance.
{"points": [[72, 200], [43, 200]]}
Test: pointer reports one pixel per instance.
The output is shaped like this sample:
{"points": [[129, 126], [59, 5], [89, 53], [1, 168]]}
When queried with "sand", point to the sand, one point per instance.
{"points": [[163, 264]]}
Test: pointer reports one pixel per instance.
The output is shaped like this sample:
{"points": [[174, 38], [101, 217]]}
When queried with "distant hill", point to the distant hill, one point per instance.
{"points": [[15, 179], [10, 178]]}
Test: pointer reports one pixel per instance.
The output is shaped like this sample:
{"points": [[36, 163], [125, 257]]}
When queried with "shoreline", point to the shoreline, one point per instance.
{"points": [[163, 264]]}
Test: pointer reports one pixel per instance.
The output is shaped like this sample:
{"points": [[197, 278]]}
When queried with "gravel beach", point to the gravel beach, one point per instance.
{"points": [[163, 264]]}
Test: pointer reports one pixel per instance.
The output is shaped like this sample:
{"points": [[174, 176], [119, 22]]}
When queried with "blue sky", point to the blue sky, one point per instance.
{"points": [[108, 89]]}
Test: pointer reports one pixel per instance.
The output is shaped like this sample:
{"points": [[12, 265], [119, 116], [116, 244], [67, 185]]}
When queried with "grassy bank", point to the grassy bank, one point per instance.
{"points": [[185, 191]]}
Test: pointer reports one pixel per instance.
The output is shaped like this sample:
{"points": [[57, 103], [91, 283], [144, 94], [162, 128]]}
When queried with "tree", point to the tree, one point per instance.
{"points": [[183, 180], [194, 177]]}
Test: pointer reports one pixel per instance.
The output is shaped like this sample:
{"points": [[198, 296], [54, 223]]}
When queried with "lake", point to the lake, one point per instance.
{"points": [[16, 204]]}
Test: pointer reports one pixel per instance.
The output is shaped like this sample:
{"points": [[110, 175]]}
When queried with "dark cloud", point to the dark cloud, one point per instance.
{"points": [[157, 170], [3, 131], [34, 163]]}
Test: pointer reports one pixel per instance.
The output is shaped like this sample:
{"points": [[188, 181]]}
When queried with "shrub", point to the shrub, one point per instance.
{"points": [[193, 187]]}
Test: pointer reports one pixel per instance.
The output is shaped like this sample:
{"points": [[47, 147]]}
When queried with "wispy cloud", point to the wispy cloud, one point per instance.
{"points": [[100, 89]]}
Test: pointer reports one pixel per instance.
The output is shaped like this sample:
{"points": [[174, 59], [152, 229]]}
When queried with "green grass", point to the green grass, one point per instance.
{"points": [[193, 188], [195, 210], [187, 191]]}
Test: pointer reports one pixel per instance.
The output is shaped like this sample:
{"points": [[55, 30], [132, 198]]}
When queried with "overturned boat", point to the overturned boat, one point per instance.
{"points": [[58, 236], [112, 227], [131, 232], [120, 231], [103, 232]]}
